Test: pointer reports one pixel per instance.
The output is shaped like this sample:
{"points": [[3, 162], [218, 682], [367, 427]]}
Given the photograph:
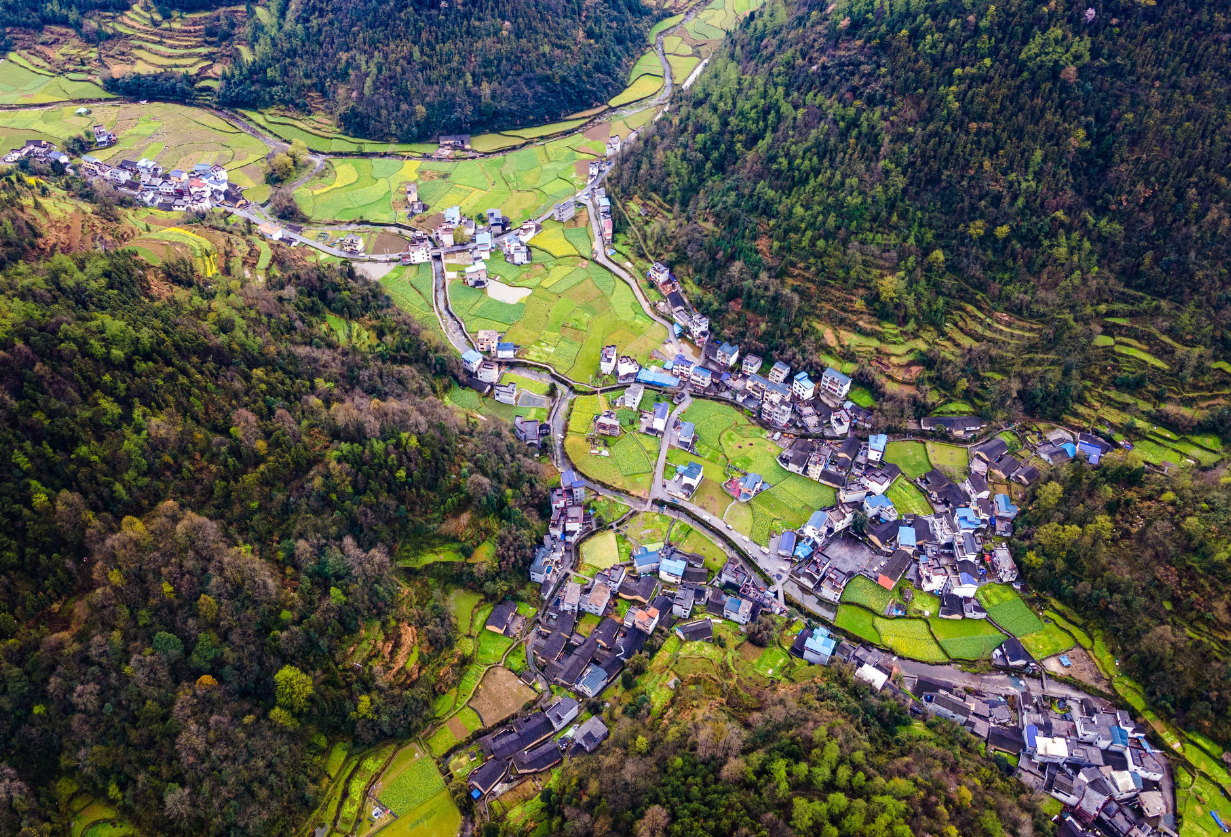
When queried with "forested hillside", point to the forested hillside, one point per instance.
{"points": [[824, 760], [413, 70], [1044, 159], [202, 494], [1149, 556]]}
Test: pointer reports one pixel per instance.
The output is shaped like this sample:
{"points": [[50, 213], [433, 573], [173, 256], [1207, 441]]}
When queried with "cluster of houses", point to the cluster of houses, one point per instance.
{"points": [[661, 588], [665, 588], [1092, 757], [199, 190], [950, 552], [37, 150]]}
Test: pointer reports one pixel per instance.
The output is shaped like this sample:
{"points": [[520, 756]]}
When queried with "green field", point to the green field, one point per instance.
{"points": [[411, 780], [572, 311], [357, 189], [864, 591], [1047, 642], [22, 85], [521, 183], [437, 817], [905, 637], [600, 551], [966, 639], [951, 459], [1007, 609], [174, 136], [908, 499], [911, 457]]}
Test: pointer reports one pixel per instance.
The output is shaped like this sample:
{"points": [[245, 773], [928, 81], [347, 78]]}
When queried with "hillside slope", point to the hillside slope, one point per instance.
{"points": [[1043, 159], [412, 70]]}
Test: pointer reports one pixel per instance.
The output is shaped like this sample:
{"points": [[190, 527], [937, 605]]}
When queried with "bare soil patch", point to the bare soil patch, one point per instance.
{"points": [[1083, 668], [499, 695]]}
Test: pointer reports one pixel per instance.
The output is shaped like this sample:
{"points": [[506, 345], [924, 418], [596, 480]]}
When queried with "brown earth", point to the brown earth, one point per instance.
{"points": [[499, 695]]}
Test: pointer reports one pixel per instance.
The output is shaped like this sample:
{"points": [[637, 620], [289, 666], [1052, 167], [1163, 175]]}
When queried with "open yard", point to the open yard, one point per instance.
{"points": [[600, 551]]}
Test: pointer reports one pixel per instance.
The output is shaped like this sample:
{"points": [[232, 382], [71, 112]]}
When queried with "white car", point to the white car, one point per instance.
{"points": [[764, 550], [729, 526]]}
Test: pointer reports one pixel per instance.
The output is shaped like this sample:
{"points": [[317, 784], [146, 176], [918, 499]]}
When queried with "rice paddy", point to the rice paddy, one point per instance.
{"points": [[1006, 608]]}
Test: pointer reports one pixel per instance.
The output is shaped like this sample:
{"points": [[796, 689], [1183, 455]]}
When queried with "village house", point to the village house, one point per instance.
{"points": [[476, 275], [505, 393], [486, 340], [751, 365], [802, 387], [607, 423], [607, 360], [835, 384], [779, 373], [564, 210], [727, 354]]}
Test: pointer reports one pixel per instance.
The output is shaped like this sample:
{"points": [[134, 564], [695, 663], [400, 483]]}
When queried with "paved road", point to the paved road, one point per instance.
{"points": [[657, 491]]}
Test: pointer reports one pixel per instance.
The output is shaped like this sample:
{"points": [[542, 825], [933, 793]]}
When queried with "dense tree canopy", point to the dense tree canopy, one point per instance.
{"points": [[1148, 557], [413, 70], [1040, 157], [202, 493], [825, 760]]}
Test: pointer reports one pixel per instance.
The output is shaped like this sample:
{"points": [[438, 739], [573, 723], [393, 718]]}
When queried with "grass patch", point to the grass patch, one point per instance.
{"points": [[1048, 642], [908, 499], [1008, 610], [911, 457], [951, 459], [864, 591]]}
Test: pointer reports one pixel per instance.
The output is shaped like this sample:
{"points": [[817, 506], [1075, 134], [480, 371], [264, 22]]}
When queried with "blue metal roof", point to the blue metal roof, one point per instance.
{"points": [[728, 349], [687, 430], [804, 549], [750, 481], [787, 542], [672, 566], [821, 642], [471, 356], [818, 519], [967, 519], [656, 377], [692, 470], [877, 441], [906, 536], [1004, 506], [878, 501], [803, 377], [661, 410]]}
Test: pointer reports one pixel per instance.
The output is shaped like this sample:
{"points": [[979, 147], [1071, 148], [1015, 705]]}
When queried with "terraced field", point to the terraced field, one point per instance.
{"points": [[966, 639], [1008, 610]]}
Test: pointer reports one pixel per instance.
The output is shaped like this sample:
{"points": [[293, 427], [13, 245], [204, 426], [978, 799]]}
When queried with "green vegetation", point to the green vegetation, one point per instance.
{"points": [[966, 639], [410, 780], [911, 457], [276, 430], [1049, 641], [864, 591], [524, 59], [908, 499], [954, 461], [1006, 608]]}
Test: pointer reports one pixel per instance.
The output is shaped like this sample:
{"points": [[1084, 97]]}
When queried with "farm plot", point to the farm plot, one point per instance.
{"points": [[500, 694], [951, 459], [411, 780], [174, 136], [1008, 610], [490, 647], [357, 189], [864, 591], [910, 638], [437, 817], [600, 551], [574, 309], [1048, 642], [908, 499], [911, 457], [966, 639], [21, 84]]}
